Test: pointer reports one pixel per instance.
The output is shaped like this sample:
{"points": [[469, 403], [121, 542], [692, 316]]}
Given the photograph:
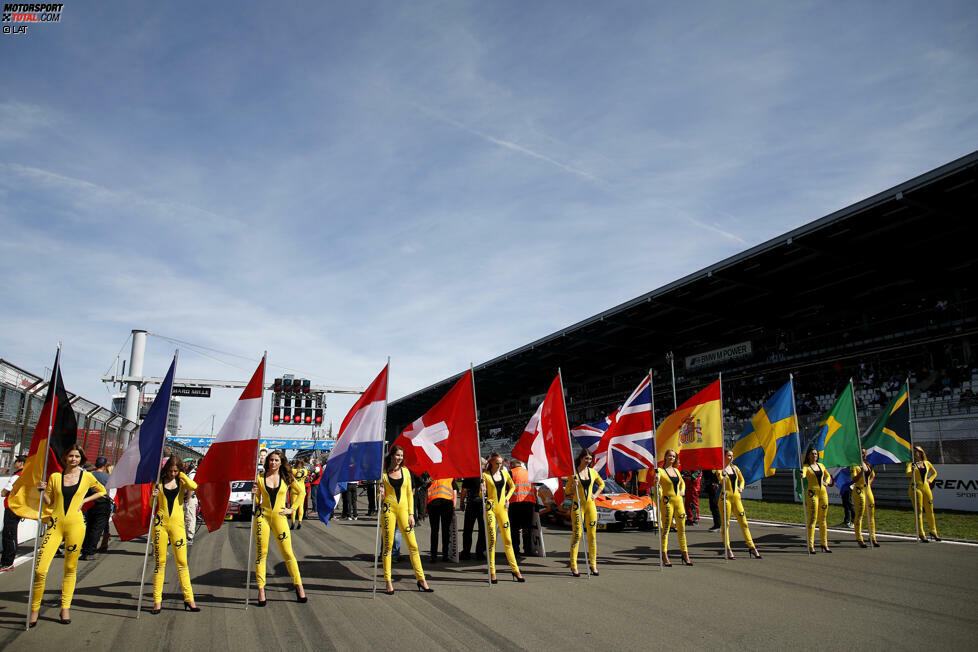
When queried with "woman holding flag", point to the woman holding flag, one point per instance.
{"points": [[499, 489], [271, 519], [817, 499], [672, 489], [586, 515], [62, 515], [733, 485], [397, 512], [862, 490], [924, 498], [169, 524]]}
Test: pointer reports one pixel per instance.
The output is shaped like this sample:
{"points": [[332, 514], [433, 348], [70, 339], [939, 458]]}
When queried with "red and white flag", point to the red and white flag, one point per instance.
{"points": [[233, 455], [545, 444], [445, 441]]}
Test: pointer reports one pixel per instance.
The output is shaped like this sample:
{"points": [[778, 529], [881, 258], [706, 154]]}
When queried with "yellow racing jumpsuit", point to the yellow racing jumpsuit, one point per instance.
{"points": [[817, 503], [497, 495], [395, 510], [170, 526], [865, 502], [925, 498], [670, 495], [297, 515], [586, 516], [62, 522], [733, 485], [269, 522]]}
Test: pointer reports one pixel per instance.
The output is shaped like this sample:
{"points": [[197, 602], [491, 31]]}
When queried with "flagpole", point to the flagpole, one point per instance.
{"points": [[44, 476], [672, 367], [152, 508], [723, 484], [482, 484], [577, 483], [801, 477], [380, 480], [251, 529], [859, 437], [917, 518], [655, 467]]}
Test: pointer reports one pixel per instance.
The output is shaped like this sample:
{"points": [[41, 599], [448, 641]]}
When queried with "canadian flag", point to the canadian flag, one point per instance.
{"points": [[545, 444], [234, 453], [445, 441]]}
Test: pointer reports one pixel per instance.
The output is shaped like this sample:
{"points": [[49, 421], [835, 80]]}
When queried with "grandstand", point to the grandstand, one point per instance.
{"points": [[877, 291]]}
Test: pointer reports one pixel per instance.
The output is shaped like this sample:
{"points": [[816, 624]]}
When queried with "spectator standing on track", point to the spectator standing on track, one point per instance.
{"points": [[472, 498], [371, 488], [521, 508], [97, 516], [441, 505], [190, 504], [314, 477], [849, 512], [350, 501], [692, 497], [713, 491], [10, 520]]}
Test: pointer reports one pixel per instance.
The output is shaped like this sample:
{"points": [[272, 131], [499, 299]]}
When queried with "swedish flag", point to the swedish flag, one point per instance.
{"points": [[770, 440]]}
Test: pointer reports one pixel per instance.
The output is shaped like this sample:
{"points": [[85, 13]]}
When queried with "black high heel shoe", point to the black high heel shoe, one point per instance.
{"points": [[826, 549], [64, 621], [753, 553], [811, 550], [876, 544], [575, 573], [156, 610], [300, 598], [935, 537], [594, 571], [666, 562], [422, 588], [493, 580], [518, 578], [686, 561], [862, 544], [33, 624], [187, 607]]}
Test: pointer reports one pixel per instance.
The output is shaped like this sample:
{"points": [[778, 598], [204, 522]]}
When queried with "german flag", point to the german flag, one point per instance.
{"points": [[55, 432]]}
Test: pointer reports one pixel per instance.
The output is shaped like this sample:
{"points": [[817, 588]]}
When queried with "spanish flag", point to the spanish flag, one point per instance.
{"points": [[55, 432], [695, 430]]}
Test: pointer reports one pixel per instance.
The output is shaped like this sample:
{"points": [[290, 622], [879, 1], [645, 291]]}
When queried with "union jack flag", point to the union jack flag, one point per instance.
{"points": [[628, 443], [589, 434]]}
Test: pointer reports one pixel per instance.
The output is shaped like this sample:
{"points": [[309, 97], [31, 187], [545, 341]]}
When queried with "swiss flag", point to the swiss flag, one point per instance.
{"points": [[445, 441], [233, 455], [545, 444]]}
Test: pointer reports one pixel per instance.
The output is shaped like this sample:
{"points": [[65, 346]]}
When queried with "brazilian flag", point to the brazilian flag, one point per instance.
{"points": [[888, 440], [837, 438]]}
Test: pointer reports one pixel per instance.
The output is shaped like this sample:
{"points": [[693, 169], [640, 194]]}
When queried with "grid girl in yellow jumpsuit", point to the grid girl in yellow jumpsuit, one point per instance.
{"points": [[64, 494], [924, 501], [298, 509], [499, 489], [671, 491], [271, 519], [733, 485], [169, 525], [585, 517], [817, 499], [397, 511], [865, 503]]}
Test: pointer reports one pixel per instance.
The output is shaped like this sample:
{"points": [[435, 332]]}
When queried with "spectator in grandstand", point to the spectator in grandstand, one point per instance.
{"points": [[583, 488], [472, 497], [499, 488], [441, 506], [733, 485], [97, 516], [671, 490], [920, 492], [817, 478], [521, 507], [10, 520]]}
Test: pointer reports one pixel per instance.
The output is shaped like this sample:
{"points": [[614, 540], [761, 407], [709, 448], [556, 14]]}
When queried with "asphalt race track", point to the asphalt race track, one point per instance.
{"points": [[903, 595]]}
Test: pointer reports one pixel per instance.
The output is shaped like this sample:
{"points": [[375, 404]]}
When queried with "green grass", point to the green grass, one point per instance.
{"points": [[950, 525]]}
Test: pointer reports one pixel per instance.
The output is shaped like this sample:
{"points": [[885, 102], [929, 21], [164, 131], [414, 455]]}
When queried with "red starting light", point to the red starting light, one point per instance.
{"points": [[319, 419]]}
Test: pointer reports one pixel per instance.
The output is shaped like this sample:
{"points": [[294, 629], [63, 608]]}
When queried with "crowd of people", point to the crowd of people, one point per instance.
{"points": [[501, 499]]}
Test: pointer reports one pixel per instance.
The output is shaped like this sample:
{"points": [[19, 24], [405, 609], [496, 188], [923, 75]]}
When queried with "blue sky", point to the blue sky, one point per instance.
{"points": [[439, 182]]}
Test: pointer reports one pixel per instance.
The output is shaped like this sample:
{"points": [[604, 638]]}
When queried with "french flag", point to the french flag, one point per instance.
{"points": [[234, 453], [139, 466], [359, 450]]}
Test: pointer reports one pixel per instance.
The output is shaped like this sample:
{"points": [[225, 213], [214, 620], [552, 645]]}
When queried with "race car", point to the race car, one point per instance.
{"points": [[239, 505], [617, 509]]}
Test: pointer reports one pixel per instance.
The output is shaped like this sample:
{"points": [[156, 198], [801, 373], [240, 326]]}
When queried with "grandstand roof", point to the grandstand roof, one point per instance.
{"points": [[858, 264]]}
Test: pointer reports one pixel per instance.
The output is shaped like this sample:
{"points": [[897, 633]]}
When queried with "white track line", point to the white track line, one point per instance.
{"points": [[848, 531]]}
